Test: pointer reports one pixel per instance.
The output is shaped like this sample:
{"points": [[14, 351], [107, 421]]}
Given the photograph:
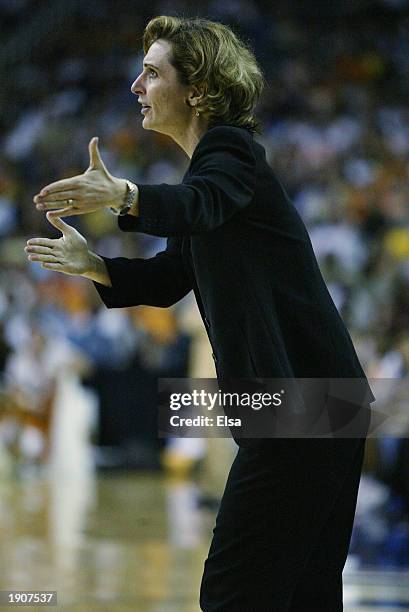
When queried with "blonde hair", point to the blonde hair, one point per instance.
{"points": [[210, 55]]}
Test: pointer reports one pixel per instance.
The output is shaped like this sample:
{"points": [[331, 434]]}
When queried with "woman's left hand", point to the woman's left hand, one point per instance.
{"points": [[96, 188], [68, 254]]}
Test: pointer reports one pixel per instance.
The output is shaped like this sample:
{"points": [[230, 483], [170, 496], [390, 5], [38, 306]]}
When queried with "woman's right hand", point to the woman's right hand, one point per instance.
{"points": [[68, 254]]}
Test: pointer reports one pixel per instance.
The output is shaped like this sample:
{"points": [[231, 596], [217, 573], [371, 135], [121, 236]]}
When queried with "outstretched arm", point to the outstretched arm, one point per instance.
{"points": [[159, 281], [220, 184]]}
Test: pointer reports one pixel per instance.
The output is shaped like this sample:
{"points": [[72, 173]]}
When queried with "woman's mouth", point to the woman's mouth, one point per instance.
{"points": [[145, 109]]}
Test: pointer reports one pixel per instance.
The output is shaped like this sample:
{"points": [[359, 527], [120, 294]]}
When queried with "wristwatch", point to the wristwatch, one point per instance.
{"points": [[130, 197]]}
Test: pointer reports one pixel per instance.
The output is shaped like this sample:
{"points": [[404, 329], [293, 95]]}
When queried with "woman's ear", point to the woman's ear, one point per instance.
{"points": [[195, 97]]}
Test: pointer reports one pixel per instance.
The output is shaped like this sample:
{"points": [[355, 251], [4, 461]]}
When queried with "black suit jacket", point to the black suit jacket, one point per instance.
{"points": [[235, 238]]}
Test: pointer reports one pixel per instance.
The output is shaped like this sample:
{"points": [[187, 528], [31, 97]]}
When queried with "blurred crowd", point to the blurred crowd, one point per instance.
{"points": [[335, 120]]}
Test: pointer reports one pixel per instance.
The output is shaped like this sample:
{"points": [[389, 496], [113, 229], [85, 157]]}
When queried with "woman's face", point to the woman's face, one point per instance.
{"points": [[164, 100]]}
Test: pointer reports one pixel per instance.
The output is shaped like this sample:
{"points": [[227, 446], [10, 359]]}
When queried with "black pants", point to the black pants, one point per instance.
{"points": [[284, 526]]}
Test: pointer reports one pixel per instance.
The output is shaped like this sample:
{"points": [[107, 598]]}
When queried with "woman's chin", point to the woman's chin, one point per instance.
{"points": [[146, 120]]}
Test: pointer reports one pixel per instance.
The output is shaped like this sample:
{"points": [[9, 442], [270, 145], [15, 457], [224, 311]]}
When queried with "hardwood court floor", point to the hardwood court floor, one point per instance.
{"points": [[128, 542]]}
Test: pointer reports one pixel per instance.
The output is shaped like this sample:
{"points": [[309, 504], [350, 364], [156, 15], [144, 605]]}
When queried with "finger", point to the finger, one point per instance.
{"points": [[46, 242], [95, 160], [58, 267], [62, 185], [59, 223], [42, 250], [60, 212], [56, 196], [44, 258], [68, 212], [55, 205]]}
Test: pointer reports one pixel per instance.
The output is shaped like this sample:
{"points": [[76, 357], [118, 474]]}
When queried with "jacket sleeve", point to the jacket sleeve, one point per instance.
{"points": [[159, 281], [220, 182]]}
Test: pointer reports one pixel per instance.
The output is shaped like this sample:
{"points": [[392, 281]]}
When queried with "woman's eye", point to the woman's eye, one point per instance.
{"points": [[152, 72]]}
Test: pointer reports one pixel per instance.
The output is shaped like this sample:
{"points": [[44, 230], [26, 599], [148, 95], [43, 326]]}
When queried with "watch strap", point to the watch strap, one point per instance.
{"points": [[131, 193]]}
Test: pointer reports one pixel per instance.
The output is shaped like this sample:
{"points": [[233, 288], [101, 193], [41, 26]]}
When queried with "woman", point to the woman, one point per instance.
{"points": [[284, 524]]}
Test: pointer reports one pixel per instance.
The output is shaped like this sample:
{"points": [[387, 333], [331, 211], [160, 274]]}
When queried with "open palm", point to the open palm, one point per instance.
{"points": [[68, 254], [96, 188]]}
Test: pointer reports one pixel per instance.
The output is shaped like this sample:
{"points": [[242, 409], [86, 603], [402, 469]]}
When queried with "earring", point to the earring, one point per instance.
{"points": [[197, 113]]}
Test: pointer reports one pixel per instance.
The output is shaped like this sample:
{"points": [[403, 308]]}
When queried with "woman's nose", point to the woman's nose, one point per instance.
{"points": [[136, 86]]}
